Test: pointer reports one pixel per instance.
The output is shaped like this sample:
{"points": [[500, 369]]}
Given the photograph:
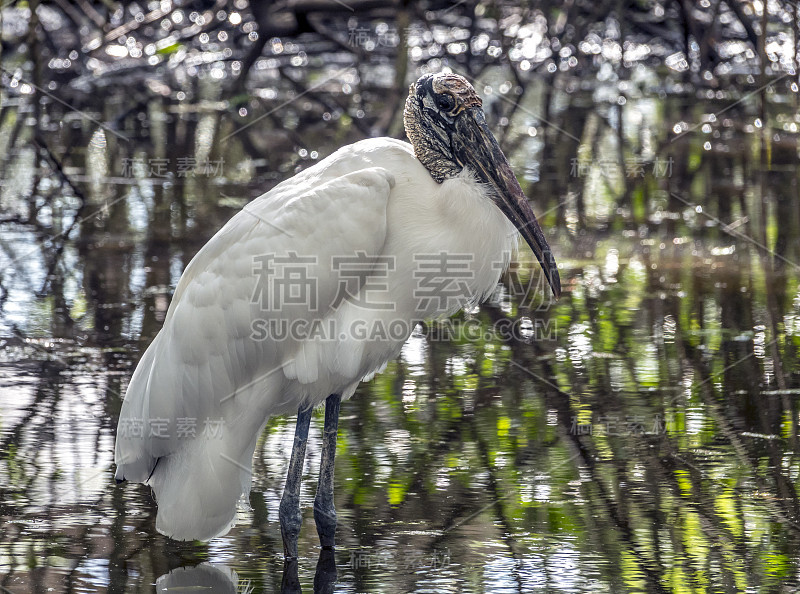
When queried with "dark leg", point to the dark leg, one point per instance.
{"points": [[325, 577], [291, 582], [324, 512], [290, 515]]}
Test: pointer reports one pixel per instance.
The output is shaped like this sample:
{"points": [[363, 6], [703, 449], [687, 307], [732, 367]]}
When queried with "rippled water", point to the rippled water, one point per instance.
{"points": [[640, 434]]}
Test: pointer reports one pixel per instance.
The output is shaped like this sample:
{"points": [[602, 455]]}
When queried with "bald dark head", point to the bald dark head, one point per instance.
{"points": [[433, 104], [445, 87]]}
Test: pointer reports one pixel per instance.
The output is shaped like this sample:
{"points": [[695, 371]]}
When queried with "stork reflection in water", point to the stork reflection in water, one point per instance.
{"points": [[383, 201]]}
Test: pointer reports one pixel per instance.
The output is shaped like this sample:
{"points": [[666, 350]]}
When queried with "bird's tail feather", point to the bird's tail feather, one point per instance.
{"points": [[198, 486]]}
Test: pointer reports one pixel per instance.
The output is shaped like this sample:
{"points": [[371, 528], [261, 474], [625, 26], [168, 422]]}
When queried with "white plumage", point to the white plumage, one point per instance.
{"points": [[373, 197]]}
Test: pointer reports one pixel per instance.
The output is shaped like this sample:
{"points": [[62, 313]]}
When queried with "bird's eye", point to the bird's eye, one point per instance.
{"points": [[445, 102]]}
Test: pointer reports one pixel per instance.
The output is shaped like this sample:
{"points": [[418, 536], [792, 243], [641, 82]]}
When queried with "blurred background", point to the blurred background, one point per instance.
{"points": [[640, 434]]}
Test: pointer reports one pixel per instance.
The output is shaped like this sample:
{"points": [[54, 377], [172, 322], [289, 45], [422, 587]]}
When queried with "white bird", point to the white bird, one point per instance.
{"points": [[309, 289]]}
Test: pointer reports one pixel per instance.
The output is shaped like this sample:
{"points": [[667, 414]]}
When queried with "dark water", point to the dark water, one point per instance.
{"points": [[640, 434]]}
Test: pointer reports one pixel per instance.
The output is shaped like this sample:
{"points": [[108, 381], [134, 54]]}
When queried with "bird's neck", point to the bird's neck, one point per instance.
{"points": [[429, 149], [439, 166]]}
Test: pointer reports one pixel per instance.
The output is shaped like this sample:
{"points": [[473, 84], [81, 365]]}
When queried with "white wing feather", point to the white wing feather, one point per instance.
{"points": [[204, 369]]}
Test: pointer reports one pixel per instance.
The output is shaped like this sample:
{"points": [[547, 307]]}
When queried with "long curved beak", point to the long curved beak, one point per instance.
{"points": [[475, 146]]}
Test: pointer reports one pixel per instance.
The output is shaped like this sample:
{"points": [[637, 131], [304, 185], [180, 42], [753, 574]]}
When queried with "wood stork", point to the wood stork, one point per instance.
{"points": [[220, 368]]}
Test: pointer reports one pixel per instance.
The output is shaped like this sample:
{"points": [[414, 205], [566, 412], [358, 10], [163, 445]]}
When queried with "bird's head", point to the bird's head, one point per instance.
{"points": [[446, 126]]}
